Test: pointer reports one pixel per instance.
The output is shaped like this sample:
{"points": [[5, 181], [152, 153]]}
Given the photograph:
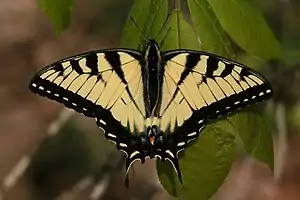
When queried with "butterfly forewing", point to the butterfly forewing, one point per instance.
{"points": [[199, 87], [103, 85]]}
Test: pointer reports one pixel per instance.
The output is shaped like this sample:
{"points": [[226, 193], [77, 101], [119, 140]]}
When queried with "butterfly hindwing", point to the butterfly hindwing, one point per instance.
{"points": [[103, 85]]}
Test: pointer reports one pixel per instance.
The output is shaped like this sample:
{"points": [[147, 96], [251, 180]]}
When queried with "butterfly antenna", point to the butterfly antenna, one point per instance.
{"points": [[142, 33], [162, 27], [165, 37]]}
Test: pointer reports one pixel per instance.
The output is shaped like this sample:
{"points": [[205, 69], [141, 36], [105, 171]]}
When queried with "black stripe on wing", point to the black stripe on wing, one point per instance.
{"points": [[47, 88], [258, 91]]}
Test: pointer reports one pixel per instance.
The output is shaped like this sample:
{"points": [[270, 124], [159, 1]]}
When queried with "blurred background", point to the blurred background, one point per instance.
{"points": [[48, 152]]}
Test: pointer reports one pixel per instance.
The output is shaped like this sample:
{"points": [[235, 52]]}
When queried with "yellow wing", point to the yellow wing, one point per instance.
{"points": [[106, 85], [199, 87], [210, 85]]}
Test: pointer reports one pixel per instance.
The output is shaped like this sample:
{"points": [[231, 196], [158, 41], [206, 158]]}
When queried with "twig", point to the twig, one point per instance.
{"points": [[100, 188], [177, 4], [280, 117], [280, 112], [56, 125], [11, 179], [80, 186], [20, 168]]}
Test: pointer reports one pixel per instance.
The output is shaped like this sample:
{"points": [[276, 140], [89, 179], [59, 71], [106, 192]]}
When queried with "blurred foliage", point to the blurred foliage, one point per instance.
{"points": [[110, 19], [58, 11], [293, 115], [65, 155], [64, 159]]}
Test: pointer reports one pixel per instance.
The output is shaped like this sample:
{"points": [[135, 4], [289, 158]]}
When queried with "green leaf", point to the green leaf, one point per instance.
{"points": [[179, 34], [255, 135], [291, 57], [205, 163], [149, 16], [247, 27], [253, 62], [212, 36], [58, 11]]}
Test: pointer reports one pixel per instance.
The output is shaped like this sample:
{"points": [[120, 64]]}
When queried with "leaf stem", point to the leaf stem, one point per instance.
{"points": [[177, 4]]}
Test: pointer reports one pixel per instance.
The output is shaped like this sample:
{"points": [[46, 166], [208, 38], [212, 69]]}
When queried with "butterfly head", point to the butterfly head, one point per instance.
{"points": [[152, 42], [152, 48], [153, 137]]}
